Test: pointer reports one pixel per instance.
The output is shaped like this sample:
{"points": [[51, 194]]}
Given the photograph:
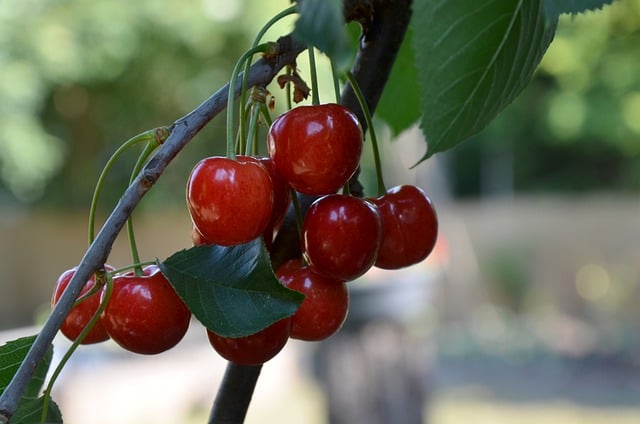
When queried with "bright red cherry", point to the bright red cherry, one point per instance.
{"points": [[316, 149], [80, 315], [281, 195], [144, 313], [255, 349], [409, 227], [230, 201], [341, 236], [325, 306]]}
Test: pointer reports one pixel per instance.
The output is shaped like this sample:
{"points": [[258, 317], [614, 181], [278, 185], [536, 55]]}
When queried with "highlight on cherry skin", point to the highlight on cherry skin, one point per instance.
{"points": [[230, 202], [316, 149], [409, 227], [341, 236], [144, 313]]}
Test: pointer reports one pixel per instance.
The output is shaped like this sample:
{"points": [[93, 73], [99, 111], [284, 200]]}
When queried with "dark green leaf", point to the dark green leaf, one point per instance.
{"points": [[321, 23], [11, 356], [231, 290], [399, 105], [30, 411], [30, 407], [474, 58], [554, 8]]}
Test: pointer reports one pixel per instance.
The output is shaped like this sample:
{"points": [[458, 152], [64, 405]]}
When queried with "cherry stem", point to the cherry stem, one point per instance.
{"points": [[288, 90], [253, 127], [336, 81], [148, 135], [101, 275], [372, 132], [231, 154], [264, 111], [243, 96], [149, 148], [315, 96]]}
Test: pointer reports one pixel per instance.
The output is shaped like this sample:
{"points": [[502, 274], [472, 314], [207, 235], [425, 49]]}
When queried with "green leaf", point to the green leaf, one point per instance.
{"points": [[554, 8], [321, 23], [30, 411], [11, 356], [399, 105], [30, 407], [474, 58], [231, 290]]}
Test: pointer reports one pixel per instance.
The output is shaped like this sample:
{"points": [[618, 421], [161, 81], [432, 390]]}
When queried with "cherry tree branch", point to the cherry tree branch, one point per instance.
{"points": [[182, 131], [383, 32]]}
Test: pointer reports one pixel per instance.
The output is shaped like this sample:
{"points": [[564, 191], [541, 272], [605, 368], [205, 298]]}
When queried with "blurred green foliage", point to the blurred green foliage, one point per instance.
{"points": [[80, 77], [577, 126], [77, 78]]}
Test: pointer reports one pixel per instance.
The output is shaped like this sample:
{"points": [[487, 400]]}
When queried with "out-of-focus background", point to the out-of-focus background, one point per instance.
{"points": [[527, 310]]}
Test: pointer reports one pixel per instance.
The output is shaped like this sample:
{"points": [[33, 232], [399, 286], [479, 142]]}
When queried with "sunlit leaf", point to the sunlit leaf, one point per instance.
{"points": [[554, 8], [399, 105], [473, 59], [231, 290]]}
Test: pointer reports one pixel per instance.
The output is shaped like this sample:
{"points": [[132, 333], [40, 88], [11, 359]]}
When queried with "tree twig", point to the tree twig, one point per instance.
{"points": [[182, 131]]}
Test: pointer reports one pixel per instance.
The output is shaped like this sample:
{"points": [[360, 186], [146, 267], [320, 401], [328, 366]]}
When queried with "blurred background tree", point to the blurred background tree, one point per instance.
{"points": [[577, 126], [79, 78]]}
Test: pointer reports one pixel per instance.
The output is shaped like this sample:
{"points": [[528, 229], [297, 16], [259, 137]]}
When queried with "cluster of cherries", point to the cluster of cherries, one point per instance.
{"points": [[313, 150], [143, 314]]}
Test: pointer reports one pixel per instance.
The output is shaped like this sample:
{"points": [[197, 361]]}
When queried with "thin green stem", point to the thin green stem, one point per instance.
{"points": [[231, 95], [315, 96], [288, 90], [243, 95], [336, 82], [149, 135], [372, 133], [264, 111], [149, 148], [108, 287], [132, 266], [253, 127]]}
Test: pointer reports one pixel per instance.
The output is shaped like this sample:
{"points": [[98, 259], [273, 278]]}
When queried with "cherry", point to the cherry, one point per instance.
{"points": [[80, 315], [230, 201], [255, 349], [409, 227], [316, 149], [144, 314], [281, 195], [325, 306], [341, 236]]}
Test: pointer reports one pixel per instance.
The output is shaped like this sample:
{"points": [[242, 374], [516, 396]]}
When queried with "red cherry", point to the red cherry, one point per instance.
{"points": [[409, 227], [80, 315], [230, 202], [144, 314], [341, 236], [325, 306], [281, 195], [316, 149], [255, 349]]}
